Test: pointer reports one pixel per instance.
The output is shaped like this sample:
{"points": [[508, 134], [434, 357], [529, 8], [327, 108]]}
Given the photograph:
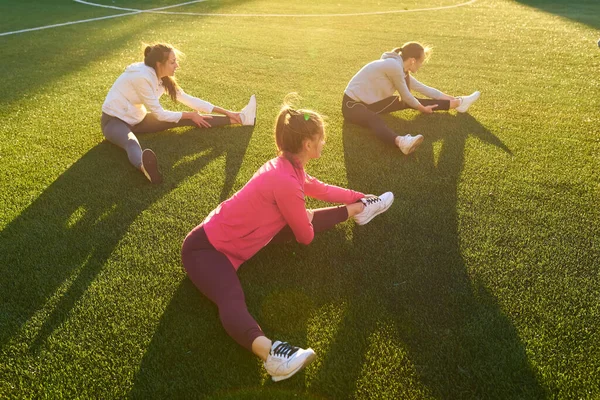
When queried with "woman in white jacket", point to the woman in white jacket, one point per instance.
{"points": [[371, 92], [132, 106]]}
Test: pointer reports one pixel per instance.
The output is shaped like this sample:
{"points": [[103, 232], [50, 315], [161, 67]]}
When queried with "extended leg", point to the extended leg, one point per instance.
{"points": [[212, 273], [151, 124]]}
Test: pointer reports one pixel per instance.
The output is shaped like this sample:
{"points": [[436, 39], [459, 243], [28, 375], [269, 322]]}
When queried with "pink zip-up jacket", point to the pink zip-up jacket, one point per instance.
{"points": [[274, 197]]}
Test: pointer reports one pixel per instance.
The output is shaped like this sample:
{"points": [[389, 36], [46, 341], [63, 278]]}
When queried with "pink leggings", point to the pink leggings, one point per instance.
{"points": [[212, 273]]}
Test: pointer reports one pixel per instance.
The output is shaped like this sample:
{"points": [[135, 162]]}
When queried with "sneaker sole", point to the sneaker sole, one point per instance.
{"points": [[414, 145], [150, 166], [306, 362]]}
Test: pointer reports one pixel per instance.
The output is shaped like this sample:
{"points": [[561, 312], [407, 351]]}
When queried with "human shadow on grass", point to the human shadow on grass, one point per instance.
{"points": [[583, 11], [414, 324], [405, 270], [394, 310], [191, 355], [54, 249]]}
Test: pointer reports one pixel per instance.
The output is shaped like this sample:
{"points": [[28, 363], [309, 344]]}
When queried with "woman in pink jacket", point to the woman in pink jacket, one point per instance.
{"points": [[132, 106], [270, 208]]}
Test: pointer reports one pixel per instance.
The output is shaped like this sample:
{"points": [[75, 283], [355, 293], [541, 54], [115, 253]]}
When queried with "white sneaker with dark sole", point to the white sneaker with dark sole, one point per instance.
{"points": [[248, 113], [466, 101], [150, 166], [409, 143], [374, 206], [285, 360]]}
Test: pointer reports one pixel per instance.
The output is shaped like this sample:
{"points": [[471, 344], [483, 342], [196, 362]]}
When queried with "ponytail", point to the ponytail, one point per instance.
{"points": [[412, 50], [159, 53], [293, 127], [147, 51]]}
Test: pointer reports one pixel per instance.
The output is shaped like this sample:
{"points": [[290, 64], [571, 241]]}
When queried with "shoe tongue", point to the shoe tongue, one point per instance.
{"points": [[275, 344], [283, 349]]}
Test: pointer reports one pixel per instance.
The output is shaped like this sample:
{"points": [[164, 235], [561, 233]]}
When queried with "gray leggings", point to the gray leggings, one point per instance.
{"points": [[123, 135]]}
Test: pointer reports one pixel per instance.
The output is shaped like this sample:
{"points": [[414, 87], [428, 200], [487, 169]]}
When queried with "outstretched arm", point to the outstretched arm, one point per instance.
{"points": [[397, 77], [428, 90], [233, 116], [334, 194], [204, 106]]}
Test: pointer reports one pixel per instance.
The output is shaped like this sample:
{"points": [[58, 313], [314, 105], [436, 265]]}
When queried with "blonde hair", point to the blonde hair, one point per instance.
{"points": [[293, 126], [414, 50]]}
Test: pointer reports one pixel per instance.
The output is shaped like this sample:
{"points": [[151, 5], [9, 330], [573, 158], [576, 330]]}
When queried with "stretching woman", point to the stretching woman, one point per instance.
{"points": [[137, 91], [371, 92], [270, 208]]}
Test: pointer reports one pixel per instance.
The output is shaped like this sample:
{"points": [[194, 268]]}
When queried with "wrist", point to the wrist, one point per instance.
{"points": [[221, 111]]}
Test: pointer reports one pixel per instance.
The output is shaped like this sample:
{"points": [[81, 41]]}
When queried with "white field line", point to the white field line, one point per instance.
{"points": [[316, 15], [158, 10], [133, 11], [39, 28]]}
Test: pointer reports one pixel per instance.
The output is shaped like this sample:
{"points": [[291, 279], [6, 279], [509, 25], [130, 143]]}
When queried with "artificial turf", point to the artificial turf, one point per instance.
{"points": [[481, 281]]}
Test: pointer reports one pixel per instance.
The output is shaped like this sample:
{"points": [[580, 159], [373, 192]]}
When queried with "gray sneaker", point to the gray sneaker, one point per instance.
{"points": [[374, 206], [285, 360]]}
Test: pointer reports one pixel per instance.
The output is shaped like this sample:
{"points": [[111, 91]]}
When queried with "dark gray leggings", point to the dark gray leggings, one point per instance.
{"points": [[122, 134], [367, 115]]}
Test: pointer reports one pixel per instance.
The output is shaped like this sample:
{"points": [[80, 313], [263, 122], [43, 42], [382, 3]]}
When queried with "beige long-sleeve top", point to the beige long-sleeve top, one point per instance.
{"points": [[381, 78]]}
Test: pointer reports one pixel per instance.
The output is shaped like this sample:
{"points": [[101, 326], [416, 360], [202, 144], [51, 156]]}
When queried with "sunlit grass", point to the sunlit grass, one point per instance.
{"points": [[480, 282]]}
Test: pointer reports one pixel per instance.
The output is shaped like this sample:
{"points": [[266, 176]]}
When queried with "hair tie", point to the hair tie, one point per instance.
{"points": [[306, 116]]}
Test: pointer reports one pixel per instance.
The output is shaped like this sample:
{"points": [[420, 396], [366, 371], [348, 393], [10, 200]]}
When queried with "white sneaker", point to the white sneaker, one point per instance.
{"points": [[285, 360], [409, 143], [373, 207], [466, 101], [248, 113]]}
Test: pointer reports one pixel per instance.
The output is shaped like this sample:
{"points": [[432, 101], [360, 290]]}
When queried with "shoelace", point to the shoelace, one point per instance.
{"points": [[371, 200], [284, 349]]}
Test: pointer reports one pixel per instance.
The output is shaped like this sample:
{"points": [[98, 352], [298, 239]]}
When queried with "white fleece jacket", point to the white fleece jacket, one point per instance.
{"points": [[382, 78], [137, 92]]}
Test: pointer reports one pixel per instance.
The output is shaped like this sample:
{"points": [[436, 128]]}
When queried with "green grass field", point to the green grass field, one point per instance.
{"points": [[481, 282]]}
